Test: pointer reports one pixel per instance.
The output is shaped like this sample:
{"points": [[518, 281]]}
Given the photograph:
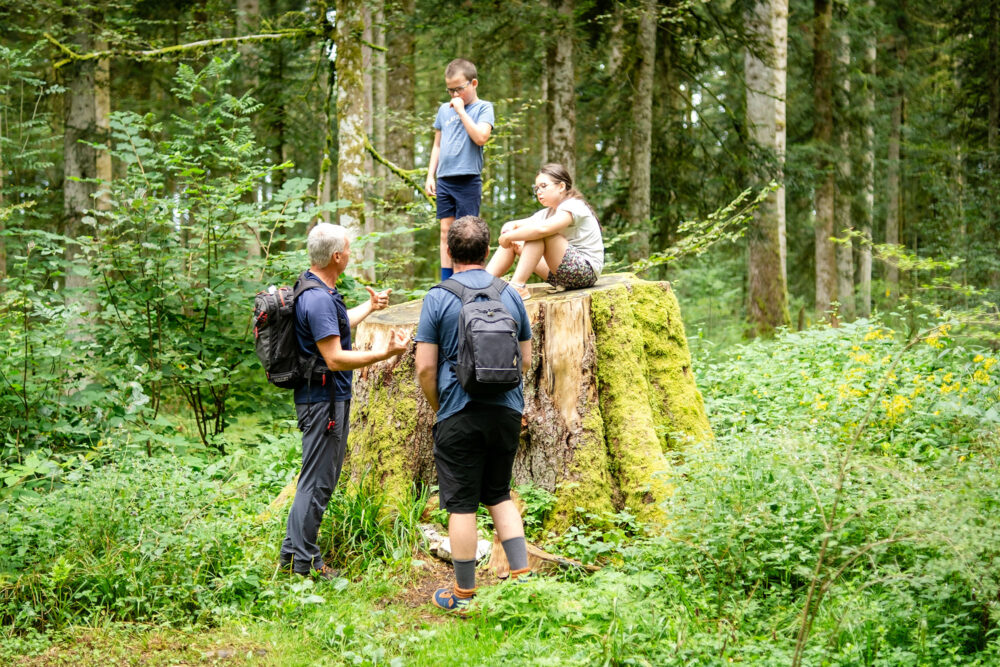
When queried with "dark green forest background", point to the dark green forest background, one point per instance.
{"points": [[162, 161], [817, 180]]}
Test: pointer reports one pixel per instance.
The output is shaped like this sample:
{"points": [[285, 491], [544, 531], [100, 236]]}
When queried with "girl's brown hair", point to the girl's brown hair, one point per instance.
{"points": [[559, 174]]}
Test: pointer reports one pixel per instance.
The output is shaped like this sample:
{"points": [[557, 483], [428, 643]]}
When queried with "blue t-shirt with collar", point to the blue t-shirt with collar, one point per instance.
{"points": [[439, 325], [460, 155], [320, 313]]}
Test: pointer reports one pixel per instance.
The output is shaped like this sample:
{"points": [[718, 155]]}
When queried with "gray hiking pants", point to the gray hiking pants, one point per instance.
{"points": [[324, 429]]}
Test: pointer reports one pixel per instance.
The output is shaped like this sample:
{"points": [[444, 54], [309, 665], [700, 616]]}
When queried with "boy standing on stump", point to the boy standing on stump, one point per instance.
{"points": [[461, 128], [475, 438]]}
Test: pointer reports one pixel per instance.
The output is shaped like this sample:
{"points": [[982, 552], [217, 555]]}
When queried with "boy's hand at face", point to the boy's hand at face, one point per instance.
{"points": [[458, 104]]}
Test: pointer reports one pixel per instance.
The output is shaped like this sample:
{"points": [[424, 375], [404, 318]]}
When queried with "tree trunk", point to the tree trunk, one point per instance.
{"points": [[993, 122], [610, 392], [562, 90], [867, 166], [826, 270], [3, 224], [350, 116], [642, 132], [767, 306], [893, 200], [842, 202], [399, 138], [79, 159], [368, 62], [247, 20], [325, 180]]}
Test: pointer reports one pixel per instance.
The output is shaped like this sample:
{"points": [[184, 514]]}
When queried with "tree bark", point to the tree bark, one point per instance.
{"points": [[826, 270], [842, 200], [867, 165], [562, 89], [350, 116], [642, 133], [610, 392], [767, 23]]}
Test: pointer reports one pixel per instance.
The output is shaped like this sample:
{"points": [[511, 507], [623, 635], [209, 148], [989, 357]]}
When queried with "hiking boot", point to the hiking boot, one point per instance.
{"points": [[284, 562], [453, 599], [325, 572]]}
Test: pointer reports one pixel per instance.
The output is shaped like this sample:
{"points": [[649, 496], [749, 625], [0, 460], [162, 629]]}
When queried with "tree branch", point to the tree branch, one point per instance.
{"points": [[72, 56], [399, 171]]}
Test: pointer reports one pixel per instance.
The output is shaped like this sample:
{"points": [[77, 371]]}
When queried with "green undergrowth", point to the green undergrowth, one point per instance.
{"points": [[852, 486]]}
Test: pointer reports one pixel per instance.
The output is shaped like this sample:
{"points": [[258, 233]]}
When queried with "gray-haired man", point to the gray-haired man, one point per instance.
{"points": [[323, 405]]}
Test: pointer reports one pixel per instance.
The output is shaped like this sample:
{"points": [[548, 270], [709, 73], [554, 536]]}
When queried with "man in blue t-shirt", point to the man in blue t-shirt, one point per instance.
{"points": [[323, 404], [475, 438], [454, 173]]}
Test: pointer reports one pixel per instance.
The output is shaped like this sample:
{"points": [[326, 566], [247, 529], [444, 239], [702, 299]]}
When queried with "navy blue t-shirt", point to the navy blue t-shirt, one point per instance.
{"points": [[439, 325], [320, 313]]}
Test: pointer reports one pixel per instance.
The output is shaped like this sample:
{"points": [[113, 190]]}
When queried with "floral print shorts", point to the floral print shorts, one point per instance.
{"points": [[574, 272]]}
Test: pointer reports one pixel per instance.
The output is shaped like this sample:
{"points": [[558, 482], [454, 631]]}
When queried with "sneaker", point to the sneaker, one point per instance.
{"points": [[453, 599], [522, 290], [521, 576]]}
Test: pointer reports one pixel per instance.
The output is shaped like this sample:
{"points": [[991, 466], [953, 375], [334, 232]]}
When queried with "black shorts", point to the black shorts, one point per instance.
{"points": [[458, 196], [474, 454]]}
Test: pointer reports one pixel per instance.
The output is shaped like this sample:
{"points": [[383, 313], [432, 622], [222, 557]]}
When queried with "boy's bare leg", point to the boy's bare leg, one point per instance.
{"points": [[443, 248]]}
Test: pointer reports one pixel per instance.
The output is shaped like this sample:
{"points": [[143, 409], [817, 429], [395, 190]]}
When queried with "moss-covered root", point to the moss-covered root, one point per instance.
{"points": [[677, 405], [588, 483], [629, 430]]}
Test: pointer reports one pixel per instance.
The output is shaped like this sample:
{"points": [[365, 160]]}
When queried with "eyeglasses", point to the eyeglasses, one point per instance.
{"points": [[454, 91], [541, 186]]}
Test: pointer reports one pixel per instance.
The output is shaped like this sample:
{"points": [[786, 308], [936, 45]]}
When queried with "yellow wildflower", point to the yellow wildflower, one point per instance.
{"points": [[989, 363], [981, 376], [978, 358]]}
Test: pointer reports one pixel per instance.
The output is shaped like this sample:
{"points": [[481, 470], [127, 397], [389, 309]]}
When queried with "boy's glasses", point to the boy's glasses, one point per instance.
{"points": [[454, 91], [538, 188]]}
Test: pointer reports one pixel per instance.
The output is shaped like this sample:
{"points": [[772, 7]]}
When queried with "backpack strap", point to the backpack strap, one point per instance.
{"points": [[301, 285], [493, 290]]}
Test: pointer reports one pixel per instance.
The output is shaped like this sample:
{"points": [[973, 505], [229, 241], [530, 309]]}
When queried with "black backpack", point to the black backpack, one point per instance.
{"points": [[489, 354], [275, 341]]}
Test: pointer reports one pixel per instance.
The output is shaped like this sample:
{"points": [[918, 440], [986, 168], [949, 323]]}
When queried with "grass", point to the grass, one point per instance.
{"points": [[164, 560]]}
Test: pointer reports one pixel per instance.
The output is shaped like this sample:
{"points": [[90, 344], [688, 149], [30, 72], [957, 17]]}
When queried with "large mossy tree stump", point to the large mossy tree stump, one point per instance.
{"points": [[609, 393]]}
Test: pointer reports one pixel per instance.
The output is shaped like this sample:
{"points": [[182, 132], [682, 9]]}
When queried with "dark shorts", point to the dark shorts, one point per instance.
{"points": [[474, 454], [458, 196], [574, 272]]}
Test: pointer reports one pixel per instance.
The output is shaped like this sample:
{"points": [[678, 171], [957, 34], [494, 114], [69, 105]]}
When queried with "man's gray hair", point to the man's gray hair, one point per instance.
{"points": [[324, 240]]}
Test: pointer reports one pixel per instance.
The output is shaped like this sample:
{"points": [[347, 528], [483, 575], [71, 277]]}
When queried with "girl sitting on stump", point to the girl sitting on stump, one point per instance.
{"points": [[565, 234]]}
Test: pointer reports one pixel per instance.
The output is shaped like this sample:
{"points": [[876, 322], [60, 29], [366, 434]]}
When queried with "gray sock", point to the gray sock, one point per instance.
{"points": [[517, 552], [465, 573]]}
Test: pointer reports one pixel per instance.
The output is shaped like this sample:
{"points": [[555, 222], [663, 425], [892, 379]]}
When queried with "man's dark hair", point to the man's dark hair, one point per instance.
{"points": [[469, 240]]}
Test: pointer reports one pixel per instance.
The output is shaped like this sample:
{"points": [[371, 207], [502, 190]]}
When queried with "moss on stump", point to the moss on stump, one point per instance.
{"points": [[609, 394]]}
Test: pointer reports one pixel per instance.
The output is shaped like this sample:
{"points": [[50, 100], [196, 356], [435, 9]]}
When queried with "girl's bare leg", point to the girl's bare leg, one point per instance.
{"points": [[530, 256], [501, 261]]}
